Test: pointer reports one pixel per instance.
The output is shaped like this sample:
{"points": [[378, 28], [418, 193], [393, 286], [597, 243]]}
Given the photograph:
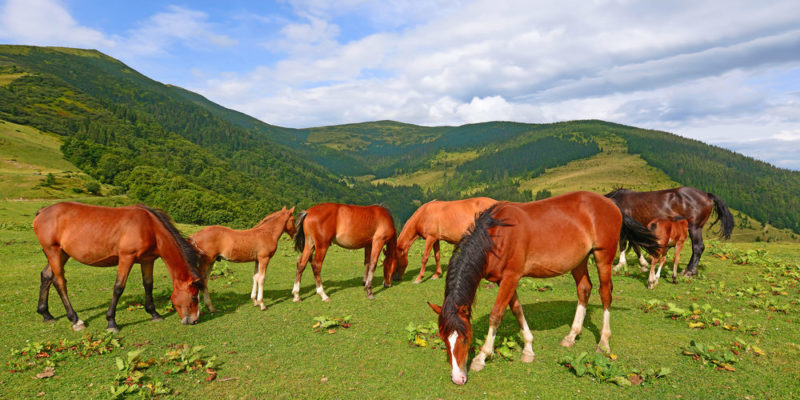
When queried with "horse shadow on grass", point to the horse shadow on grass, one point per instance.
{"points": [[545, 316]]}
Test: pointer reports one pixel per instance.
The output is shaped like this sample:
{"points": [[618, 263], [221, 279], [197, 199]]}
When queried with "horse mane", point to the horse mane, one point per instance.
{"points": [[466, 268], [268, 218], [189, 252], [617, 191]]}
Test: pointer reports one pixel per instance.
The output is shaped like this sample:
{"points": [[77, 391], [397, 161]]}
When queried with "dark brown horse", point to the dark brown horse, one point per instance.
{"points": [[542, 239], [687, 202], [351, 227], [106, 236], [435, 221], [258, 244], [670, 234]]}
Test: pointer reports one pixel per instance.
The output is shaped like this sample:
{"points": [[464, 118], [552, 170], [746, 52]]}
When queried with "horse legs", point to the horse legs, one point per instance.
{"points": [[506, 291], [438, 255], [527, 336], [123, 269], [56, 259], [44, 292], [642, 261], [678, 247], [659, 260], [623, 248], [301, 266], [604, 259], [147, 282], [696, 233], [367, 257], [584, 287], [376, 246], [429, 241], [316, 267], [258, 279], [206, 265]]}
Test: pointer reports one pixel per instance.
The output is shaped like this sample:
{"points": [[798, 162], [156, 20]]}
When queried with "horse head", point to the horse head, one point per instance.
{"points": [[186, 300], [455, 329], [290, 226]]}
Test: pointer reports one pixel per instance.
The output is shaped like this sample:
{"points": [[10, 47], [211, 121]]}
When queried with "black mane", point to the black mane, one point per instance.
{"points": [[466, 268], [617, 191], [189, 251]]}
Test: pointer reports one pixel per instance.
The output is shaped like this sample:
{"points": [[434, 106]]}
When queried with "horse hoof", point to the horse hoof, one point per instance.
{"points": [[436, 276], [418, 280], [326, 299], [477, 365], [370, 297], [212, 310], [112, 329], [49, 320], [526, 358], [157, 318], [78, 326], [296, 299], [603, 348], [567, 342], [263, 307]]}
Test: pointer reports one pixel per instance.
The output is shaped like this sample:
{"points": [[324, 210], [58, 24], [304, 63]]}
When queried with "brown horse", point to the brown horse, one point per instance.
{"points": [[542, 239], [435, 221], [670, 234], [692, 204], [106, 236], [351, 227], [255, 244]]}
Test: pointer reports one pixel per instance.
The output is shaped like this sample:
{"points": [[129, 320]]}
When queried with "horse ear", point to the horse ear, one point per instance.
{"points": [[291, 210], [465, 311], [284, 208], [435, 308]]}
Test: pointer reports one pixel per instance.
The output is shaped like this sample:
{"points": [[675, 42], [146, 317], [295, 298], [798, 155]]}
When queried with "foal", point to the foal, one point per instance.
{"points": [[255, 244], [670, 234]]}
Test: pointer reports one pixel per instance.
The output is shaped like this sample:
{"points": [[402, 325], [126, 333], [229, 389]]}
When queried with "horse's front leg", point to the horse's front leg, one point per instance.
{"points": [[206, 265], [508, 287], [678, 247], [584, 287], [623, 247], [259, 278], [123, 269], [376, 247], [527, 336], [147, 283]]}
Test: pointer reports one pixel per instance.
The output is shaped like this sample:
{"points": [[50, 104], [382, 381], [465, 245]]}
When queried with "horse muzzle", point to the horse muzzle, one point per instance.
{"points": [[459, 378], [189, 321]]}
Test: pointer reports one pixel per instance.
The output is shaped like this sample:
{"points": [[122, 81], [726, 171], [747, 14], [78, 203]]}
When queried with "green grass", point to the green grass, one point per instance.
{"points": [[276, 352], [443, 164]]}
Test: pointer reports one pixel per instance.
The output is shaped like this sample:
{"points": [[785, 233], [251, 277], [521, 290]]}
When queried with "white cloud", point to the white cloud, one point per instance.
{"points": [[175, 25], [47, 23]]}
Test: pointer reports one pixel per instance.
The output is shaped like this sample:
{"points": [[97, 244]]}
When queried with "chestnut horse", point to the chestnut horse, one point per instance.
{"points": [[435, 221], [693, 204], [541, 239], [351, 227], [108, 236], [255, 244], [670, 234]]}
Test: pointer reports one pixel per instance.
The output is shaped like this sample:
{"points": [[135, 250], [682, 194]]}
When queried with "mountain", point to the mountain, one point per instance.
{"points": [[203, 163]]}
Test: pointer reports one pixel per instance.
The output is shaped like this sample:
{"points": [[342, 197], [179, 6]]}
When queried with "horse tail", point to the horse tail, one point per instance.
{"points": [[190, 253], [300, 236], [724, 215], [637, 234]]}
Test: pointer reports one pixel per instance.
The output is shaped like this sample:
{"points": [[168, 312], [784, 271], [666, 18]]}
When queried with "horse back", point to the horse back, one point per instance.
{"points": [[450, 220], [687, 202]]}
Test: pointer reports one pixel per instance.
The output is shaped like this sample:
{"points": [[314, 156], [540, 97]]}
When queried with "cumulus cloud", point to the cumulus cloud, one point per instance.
{"points": [[47, 23], [177, 24]]}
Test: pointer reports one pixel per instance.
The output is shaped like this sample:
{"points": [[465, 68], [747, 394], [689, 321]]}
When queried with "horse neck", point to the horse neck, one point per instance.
{"points": [[267, 221], [170, 251], [409, 233]]}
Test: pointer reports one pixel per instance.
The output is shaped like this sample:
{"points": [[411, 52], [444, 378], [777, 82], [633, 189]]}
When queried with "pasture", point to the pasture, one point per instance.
{"points": [[752, 289]]}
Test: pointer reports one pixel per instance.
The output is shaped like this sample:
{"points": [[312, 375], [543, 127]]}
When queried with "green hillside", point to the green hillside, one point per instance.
{"points": [[203, 163]]}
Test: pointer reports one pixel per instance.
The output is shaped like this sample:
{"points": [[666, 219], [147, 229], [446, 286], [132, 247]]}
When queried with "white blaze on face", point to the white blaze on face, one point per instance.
{"points": [[458, 376]]}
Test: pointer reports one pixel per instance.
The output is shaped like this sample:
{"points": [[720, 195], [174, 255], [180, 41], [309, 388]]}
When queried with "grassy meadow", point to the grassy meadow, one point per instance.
{"points": [[277, 353]]}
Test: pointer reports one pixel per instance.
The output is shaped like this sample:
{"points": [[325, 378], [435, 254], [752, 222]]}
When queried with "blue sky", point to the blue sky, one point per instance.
{"points": [[726, 73]]}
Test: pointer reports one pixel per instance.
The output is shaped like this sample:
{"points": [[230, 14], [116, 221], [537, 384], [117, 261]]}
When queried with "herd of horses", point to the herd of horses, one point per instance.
{"points": [[497, 241]]}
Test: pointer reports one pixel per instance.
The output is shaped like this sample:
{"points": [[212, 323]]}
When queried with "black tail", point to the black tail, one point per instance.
{"points": [[722, 214], [300, 236], [637, 235]]}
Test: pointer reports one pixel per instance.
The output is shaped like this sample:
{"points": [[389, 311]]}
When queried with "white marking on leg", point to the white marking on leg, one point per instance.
{"points": [[527, 337], [605, 333], [642, 260], [321, 292], [622, 261], [296, 291], [457, 375], [486, 351], [577, 326]]}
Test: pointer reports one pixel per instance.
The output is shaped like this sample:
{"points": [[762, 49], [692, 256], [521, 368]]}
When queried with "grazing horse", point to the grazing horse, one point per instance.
{"points": [[435, 221], [255, 244], [670, 234], [351, 227], [541, 239], [108, 236], [692, 204]]}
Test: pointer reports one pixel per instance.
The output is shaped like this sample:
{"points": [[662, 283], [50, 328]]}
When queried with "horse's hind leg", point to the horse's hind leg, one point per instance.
{"points": [[623, 247], [376, 246], [527, 336], [507, 289], [123, 269], [56, 260], [438, 256], [206, 265], [147, 282], [678, 247], [316, 267], [584, 287], [301, 266], [44, 292], [604, 259], [367, 257]]}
